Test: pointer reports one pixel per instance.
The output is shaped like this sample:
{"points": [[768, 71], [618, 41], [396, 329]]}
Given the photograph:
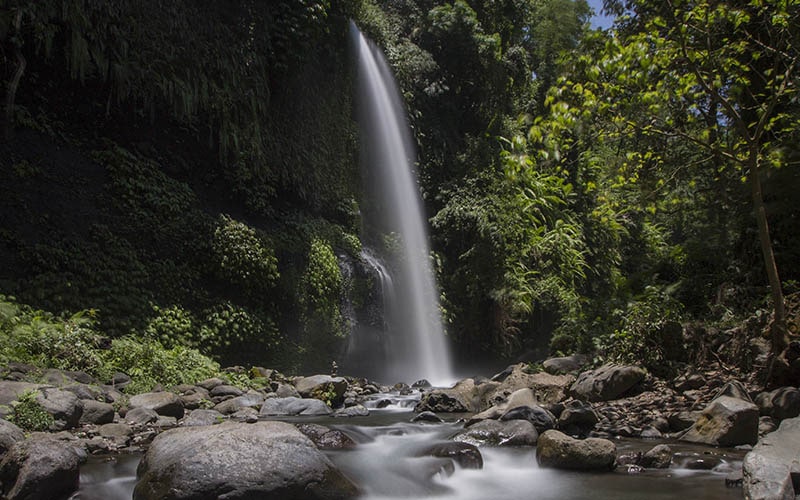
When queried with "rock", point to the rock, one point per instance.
{"points": [[202, 417], [250, 400], [726, 421], [294, 406], [119, 432], [578, 418], [119, 380], [541, 419], [12, 390], [557, 450], [286, 391], [734, 389], [165, 403], [9, 434], [421, 384], [322, 387], [84, 392], [689, 382], [268, 460], [427, 416], [41, 467], [608, 382], [496, 433], [352, 411], [782, 403], [64, 406], [567, 364], [141, 416], [519, 398], [461, 398], [224, 390], [769, 467], [465, 455], [96, 412], [210, 383], [766, 425], [547, 388], [658, 457], [681, 421], [248, 415], [326, 438]]}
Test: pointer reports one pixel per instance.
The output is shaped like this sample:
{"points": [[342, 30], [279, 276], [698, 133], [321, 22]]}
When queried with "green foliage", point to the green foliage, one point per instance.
{"points": [[243, 257], [148, 363], [171, 326], [29, 415], [232, 333]]}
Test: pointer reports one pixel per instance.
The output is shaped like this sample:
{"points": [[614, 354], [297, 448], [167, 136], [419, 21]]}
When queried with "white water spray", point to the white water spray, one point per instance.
{"points": [[418, 347]]}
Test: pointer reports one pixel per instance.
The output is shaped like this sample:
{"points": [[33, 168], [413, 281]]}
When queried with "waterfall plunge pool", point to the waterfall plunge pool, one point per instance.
{"points": [[385, 465]]}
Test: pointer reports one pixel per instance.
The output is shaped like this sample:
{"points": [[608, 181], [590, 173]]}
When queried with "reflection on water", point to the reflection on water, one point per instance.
{"points": [[387, 466]]}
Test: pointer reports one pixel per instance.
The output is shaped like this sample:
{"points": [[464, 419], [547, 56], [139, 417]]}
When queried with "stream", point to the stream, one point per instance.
{"points": [[384, 464]]}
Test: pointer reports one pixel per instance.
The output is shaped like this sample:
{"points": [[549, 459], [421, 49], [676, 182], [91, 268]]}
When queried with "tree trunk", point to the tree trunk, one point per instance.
{"points": [[778, 334]]}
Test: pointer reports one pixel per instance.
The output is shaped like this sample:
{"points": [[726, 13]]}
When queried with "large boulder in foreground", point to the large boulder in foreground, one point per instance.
{"points": [[41, 467], [235, 461], [559, 451], [608, 382], [769, 467], [726, 421]]}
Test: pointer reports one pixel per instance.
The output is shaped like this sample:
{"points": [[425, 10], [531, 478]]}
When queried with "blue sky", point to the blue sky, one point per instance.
{"points": [[599, 21]]}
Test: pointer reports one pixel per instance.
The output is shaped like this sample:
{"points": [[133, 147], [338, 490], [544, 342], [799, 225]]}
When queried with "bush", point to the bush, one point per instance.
{"points": [[29, 415], [243, 257], [233, 333]]}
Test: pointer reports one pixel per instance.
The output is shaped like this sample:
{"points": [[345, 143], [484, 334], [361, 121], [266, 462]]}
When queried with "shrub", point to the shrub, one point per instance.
{"points": [[29, 415], [243, 257]]}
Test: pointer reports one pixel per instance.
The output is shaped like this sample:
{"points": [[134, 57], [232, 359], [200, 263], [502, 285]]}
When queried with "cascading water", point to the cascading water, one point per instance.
{"points": [[418, 346]]}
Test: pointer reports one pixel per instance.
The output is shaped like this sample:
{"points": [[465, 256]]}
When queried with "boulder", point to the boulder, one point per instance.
{"points": [[210, 383], [519, 398], [427, 416], [12, 390], [202, 417], [461, 398], [496, 433], [141, 416], [658, 457], [96, 412], [567, 364], [734, 389], [680, 421], [541, 418], [322, 387], [164, 403], [9, 434], [286, 391], [225, 390], [547, 388], [726, 421], [557, 450], [41, 467], [266, 460], [352, 411], [252, 399], [294, 406], [64, 406], [769, 467], [577, 418], [608, 382], [326, 438], [780, 404], [465, 455]]}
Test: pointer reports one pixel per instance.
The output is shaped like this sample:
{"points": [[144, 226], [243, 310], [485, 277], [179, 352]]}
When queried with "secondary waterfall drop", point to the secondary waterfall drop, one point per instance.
{"points": [[417, 343]]}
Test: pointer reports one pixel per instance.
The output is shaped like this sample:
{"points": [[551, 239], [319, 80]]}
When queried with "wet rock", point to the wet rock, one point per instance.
{"points": [[165, 403], [578, 418], [294, 406], [465, 455], [547, 388], [96, 412], [567, 364], [726, 421], [352, 411], [326, 438], [427, 416], [496, 433], [518, 398], [421, 384], [658, 457], [237, 461], [769, 467], [461, 398], [202, 417], [41, 467], [248, 415], [541, 419], [608, 382], [557, 450]]}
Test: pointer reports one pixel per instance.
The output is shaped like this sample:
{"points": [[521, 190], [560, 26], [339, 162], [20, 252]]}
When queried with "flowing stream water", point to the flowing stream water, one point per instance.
{"points": [[386, 466], [418, 346]]}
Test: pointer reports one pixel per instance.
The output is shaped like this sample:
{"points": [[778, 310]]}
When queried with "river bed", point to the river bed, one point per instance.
{"points": [[386, 467]]}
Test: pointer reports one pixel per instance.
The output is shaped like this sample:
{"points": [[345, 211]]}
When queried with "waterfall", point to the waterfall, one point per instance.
{"points": [[418, 348]]}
